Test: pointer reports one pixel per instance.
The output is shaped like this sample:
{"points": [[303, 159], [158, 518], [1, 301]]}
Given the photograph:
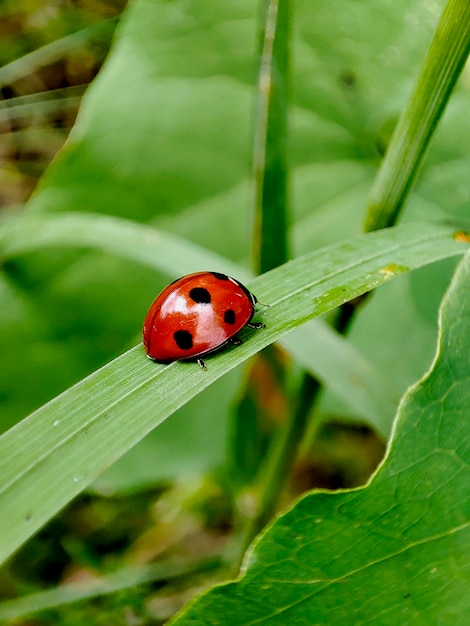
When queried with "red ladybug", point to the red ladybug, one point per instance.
{"points": [[197, 315]]}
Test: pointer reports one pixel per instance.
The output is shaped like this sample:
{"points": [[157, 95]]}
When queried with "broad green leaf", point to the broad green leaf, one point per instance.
{"points": [[192, 74], [55, 453], [180, 132], [396, 551]]}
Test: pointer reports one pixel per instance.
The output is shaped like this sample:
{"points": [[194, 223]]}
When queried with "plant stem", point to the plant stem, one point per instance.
{"points": [[447, 55], [270, 140], [280, 461]]}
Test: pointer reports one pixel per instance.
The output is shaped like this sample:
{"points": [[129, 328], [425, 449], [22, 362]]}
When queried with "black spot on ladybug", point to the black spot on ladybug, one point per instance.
{"points": [[220, 276], [229, 316], [200, 295], [183, 339]]}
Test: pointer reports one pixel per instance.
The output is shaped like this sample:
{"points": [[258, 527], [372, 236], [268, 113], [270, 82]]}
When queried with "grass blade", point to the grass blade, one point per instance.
{"points": [[444, 62], [29, 63], [52, 455], [137, 242], [270, 142]]}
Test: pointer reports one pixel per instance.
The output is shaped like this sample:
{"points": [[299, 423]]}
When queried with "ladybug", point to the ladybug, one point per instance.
{"points": [[197, 315]]}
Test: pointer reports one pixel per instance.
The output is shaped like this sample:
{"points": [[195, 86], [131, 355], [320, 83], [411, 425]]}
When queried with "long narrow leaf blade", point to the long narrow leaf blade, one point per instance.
{"points": [[125, 238], [270, 142], [55, 453], [51, 52]]}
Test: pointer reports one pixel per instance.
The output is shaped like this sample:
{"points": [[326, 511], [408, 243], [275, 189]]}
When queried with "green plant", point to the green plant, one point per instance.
{"points": [[163, 137]]}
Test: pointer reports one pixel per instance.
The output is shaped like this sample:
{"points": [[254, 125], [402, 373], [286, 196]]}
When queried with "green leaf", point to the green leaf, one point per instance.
{"points": [[270, 141], [189, 445], [144, 244], [366, 392], [396, 551], [52, 455], [189, 70]]}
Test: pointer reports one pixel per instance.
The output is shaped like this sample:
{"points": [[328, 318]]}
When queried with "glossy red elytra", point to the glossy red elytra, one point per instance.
{"points": [[197, 315]]}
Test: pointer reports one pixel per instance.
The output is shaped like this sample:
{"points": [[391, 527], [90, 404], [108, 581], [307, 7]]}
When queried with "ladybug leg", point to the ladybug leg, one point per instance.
{"points": [[202, 364], [256, 325], [235, 341]]}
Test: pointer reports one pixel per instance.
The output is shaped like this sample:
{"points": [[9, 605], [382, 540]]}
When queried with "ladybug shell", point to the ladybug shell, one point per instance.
{"points": [[194, 315]]}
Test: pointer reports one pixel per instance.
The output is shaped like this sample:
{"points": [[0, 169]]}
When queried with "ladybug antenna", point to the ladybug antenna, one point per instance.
{"points": [[266, 306]]}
